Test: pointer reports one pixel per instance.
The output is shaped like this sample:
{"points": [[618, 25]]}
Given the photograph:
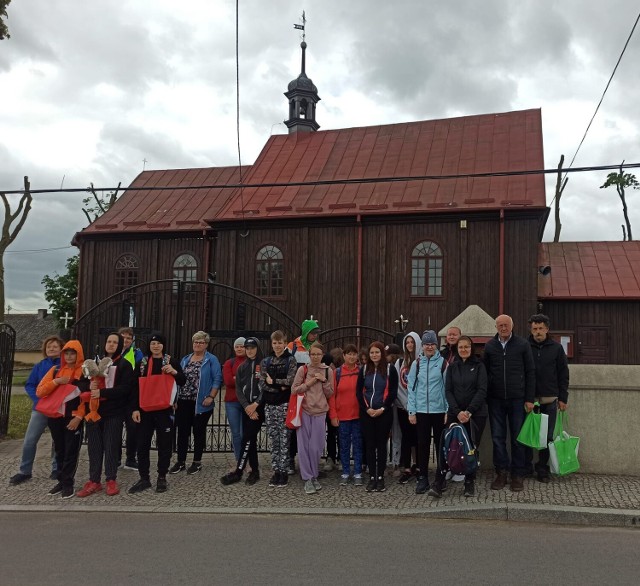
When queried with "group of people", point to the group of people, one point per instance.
{"points": [[347, 401]]}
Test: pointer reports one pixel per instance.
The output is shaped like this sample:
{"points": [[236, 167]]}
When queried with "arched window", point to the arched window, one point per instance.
{"points": [[185, 268], [126, 271], [269, 272], [426, 270]]}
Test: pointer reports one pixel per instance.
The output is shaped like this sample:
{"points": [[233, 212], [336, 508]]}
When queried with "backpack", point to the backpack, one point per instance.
{"points": [[457, 452]]}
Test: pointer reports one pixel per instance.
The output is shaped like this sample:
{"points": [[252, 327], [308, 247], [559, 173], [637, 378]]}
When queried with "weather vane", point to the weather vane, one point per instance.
{"points": [[301, 27]]}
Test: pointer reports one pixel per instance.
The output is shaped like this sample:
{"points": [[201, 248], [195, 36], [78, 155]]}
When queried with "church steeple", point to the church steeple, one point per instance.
{"points": [[303, 97]]}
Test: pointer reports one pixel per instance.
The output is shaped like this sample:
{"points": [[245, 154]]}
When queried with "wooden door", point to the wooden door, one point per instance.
{"points": [[593, 344]]}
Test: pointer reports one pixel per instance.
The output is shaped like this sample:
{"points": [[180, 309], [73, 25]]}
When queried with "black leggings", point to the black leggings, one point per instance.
{"points": [[186, 420], [409, 438], [67, 446], [428, 424], [250, 431], [375, 431]]}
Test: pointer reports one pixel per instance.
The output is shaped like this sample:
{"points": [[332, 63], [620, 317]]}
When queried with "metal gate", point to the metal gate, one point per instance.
{"points": [[358, 335], [7, 353], [177, 309]]}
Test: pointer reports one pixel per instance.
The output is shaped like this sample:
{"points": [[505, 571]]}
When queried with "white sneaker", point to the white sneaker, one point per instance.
{"points": [[309, 488], [316, 484]]}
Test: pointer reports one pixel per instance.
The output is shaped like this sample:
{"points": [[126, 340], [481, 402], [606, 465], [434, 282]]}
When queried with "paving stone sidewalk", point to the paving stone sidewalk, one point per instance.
{"points": [[579, 498]]}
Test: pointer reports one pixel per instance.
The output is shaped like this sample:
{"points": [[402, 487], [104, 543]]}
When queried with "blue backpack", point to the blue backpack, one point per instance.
{"points": [[457, 452]]}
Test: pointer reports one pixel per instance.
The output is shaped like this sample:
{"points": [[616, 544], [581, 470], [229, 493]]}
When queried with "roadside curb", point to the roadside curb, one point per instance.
{"points": [[518, 513]]}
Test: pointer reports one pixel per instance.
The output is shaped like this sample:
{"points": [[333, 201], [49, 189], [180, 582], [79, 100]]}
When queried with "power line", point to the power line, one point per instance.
{"points": [[363, 180], [33, 250], [603, 93]]}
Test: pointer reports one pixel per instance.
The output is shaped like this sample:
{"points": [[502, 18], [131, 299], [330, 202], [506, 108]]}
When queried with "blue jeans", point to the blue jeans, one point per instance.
{"points": [[503, 413], [35, 428], [350, 435], [234, 413]]}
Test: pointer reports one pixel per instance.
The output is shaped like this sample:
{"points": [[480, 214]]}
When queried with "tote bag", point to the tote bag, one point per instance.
{"points": [[157, 391], [563, 450], [53, 405], [535, 429], [294, 412]]}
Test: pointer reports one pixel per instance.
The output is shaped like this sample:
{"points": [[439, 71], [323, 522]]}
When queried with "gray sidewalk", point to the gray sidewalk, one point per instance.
{"points": [[578, 499]]}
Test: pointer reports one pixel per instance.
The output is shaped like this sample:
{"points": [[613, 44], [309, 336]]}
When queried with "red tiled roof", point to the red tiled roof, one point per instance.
{"points": [[175, 209], [471, 144], [590, 270]]}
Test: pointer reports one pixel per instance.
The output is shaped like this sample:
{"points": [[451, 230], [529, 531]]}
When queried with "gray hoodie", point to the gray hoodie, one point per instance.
{"points": [[403, 370]]}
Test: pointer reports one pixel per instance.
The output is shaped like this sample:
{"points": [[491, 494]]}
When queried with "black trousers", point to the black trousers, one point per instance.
{"points": [[250, 431], [104, 444], [375, 432], [426, 425], [186, 422], [67, 446], [160, 423], [409, 438], [132, 437]]}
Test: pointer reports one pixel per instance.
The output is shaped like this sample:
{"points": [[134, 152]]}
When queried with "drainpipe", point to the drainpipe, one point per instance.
{"points": [[501, 270], [359, 278]]}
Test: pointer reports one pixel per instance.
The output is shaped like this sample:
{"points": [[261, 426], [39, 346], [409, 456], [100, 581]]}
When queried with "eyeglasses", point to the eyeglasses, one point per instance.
{"points": [[199, 342]]}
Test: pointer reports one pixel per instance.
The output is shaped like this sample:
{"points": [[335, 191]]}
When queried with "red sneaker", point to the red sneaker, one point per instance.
{"points": [[112, 488], [89, 488]]}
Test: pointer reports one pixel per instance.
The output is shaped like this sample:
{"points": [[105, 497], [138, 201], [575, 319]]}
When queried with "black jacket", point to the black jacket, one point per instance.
{"points": [[466, 387], [247, 387], [552, 369], [510, 371], [118, 398]]}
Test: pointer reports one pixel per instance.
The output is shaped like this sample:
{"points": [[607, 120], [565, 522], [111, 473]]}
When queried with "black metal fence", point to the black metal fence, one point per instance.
{"points": [[361, 336], [7, 353]]}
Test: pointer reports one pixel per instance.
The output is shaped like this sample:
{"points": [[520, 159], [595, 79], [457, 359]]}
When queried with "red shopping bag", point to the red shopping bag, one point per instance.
{"points": [[53, 405], [294, 413], [157, 391]]}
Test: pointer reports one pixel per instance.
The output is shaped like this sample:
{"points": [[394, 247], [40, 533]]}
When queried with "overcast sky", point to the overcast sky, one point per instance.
{"points": [[90, 89]]}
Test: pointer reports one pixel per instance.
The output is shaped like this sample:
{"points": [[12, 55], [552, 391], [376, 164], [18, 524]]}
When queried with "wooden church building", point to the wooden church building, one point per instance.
{"points": [[354, 226]]}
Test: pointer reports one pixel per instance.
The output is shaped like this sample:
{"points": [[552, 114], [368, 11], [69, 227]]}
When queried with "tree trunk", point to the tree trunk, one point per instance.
{"points": [[625, 213], [560, 185]]}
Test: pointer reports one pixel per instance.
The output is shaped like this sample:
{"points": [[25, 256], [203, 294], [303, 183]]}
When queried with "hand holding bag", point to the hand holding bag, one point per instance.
{"points": [[53, 405], [563, 450], [535, 429]]}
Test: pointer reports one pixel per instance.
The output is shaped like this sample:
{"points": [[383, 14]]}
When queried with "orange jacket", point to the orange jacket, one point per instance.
{"points": [[47, 385], [343, 404]]}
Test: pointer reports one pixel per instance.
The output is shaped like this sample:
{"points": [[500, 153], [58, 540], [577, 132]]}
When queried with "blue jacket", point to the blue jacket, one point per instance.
{"points": [[37, 374], [210, 378], [427, 395]]}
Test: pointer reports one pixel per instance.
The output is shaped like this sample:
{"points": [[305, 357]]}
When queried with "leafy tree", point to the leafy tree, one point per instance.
{"points": [[11, 226], [622, 181], [61, 291], [4, 31]]}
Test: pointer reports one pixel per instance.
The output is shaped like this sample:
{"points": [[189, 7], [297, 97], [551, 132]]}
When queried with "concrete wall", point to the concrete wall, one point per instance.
{"points": [[604, 405]]}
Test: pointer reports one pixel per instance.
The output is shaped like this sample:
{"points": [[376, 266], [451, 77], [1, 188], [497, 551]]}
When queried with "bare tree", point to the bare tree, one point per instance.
{"points": [[9, 233], [99, 204], [622, 180], [560, 185]]}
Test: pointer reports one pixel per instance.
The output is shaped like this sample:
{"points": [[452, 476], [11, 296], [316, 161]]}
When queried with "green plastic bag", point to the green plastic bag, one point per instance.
{"points": [[563, 450], [535, 429]]}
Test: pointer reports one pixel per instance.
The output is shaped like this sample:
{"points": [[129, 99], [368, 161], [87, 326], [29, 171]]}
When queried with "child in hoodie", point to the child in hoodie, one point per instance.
{"points": [[315, 382], [64, 385]]}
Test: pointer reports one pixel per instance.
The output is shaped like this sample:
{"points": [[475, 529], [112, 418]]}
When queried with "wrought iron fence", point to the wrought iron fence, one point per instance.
{"points": [[7, 353]]}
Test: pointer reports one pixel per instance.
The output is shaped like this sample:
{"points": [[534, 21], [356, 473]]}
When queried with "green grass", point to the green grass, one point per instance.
{"points": [[20, 377], [19, 415]]}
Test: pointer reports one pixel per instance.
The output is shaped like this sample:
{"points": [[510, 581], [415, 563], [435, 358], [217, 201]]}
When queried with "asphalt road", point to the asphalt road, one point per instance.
{"points": [[114, 549]]}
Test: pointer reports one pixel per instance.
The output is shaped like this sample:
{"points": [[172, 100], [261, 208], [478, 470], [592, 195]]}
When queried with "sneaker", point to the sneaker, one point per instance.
{"points": [[19, 478], [500, 481], [57, 489], [309, 488], [112, 488], [344, 480], [275, 479], [371, 485], [194, 468], [131, 464], [231, 478], [435, 491], [177, 467], [316, 484], [380, 487], [142, 484], [404, 477], [253, 477], [423, 485], [89, 488], [161, 484], [517, 484], [67, 492], [357, 480], [284, 480], [469, 488], [329, 465]]}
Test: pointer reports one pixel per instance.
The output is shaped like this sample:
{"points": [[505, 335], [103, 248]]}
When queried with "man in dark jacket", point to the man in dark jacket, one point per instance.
{"points": [[510, 392], [552, 383], [450, 349]]}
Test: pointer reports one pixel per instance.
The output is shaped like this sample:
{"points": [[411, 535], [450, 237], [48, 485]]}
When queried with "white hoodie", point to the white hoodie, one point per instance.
{"points": [[403, 370]]}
